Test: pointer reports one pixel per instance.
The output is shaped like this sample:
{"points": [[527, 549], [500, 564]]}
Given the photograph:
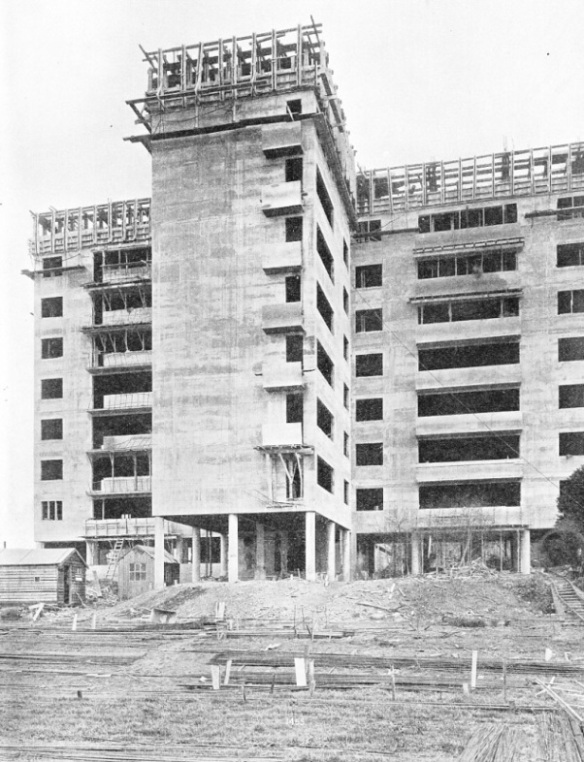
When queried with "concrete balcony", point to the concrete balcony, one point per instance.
{"points": [[282, 257], [282, 198], [125, 272], [463, 330], [469, 470], [473, 423], [282, 140], [127, 401], [455, 378], [282, 318], [122, 485], [141, 442], [477, 518], [282, 375], [131, 527], [125, 317], [123, 359], [282, 435]]}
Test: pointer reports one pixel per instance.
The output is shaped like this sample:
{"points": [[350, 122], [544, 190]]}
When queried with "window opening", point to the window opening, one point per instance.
{"points": [[466, 403], [570, 255], [324, 308], [324, 419], [51, 470], [470, 495], [294, 347], [51, 388], [571, 443], [324, 198], [499, 447], [368, 276], [293, 169], [293, 288], [51, 348], [293, 229], [346, 451], [572, 395], [324, 253], [571, 349], [369, 499], [52, 510], [469, 356], [52, 428], [369, 230], [369, 409], [345, 301], [468, 218], [324, 475], [345, 254], [52, 266], [369, 320], [324, 363], [52, 307], [346, 396], [346, 492], [369, 454], [570, 207], [346, 348], [472, 309], [294, 408], [570, 302], [369, 365]]}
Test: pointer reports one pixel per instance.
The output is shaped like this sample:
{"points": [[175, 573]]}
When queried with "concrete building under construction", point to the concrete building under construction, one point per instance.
{"points": [[257, 368]]}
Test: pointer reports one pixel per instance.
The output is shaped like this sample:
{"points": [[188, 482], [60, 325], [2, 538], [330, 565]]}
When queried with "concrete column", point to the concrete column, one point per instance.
{"points": [[525, 552], [310, 546], [223, 554], [331, 565], [347, 538], [196, 555], [416, 568], [158, 552], [90, 548], [233, 549], [260, 572], [284, 552]]}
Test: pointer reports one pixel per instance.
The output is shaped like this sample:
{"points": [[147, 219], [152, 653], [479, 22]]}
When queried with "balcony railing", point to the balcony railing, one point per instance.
{"points": [[282, 375], [127, 401], [280, 257], [282, 198], [281, 318], [121, 273], [282, 435], [122, 359], [122, 317], [131, 527], [128, 442], [122, 485]]}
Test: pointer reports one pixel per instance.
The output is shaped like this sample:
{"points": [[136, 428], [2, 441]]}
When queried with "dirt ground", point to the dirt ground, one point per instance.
{"points": [[391, 675]]}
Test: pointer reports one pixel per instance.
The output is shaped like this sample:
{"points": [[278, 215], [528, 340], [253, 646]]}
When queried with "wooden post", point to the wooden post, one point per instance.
{"points": [[311, 680], [473, 670], [233, 549], [331, 550], [74, 623], [310, 545], [227, 672], [94, 620], [158, 552], [215, 677], [300, 669], [196, 555]]}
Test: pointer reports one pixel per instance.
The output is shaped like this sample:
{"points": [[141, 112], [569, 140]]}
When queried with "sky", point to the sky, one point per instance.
{"points": [[420, 80]]}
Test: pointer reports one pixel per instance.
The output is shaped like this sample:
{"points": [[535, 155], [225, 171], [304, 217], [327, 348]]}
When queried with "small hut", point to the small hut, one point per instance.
{"points": [[44, 575], [136, 571]]}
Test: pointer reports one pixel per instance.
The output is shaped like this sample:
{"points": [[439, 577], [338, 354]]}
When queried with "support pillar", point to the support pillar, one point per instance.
{"points": [[90, 548], [233, 549], [283, 553], [310, 545], [331, 561], [347, 539], [260, 570], [178, 549], [415, 553], [158, 552], [196, 555], [223, 554], [525, 552]]}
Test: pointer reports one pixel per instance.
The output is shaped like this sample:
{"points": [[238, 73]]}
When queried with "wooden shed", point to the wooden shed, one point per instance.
{"points": [[46, 575], [136, 571]]}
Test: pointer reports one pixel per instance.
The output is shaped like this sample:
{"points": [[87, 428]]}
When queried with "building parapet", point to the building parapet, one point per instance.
{"points": [[68, 230], [554, 169]]}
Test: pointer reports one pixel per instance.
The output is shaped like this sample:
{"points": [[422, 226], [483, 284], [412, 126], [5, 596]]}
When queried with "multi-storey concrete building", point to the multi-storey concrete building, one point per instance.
{"points": [[194, 352]]}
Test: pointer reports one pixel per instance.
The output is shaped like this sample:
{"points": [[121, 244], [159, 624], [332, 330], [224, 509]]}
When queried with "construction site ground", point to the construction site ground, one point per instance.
{"points": [[387, 667]]}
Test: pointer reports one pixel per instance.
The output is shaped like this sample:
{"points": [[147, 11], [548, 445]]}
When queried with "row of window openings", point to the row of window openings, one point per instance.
{"points": [[461, 495], [444, 312], [500, 447], [569, 208]]}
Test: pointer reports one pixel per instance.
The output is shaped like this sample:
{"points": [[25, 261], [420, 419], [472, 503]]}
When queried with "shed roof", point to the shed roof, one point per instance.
{"points": [[149, 550], [36, 556]]}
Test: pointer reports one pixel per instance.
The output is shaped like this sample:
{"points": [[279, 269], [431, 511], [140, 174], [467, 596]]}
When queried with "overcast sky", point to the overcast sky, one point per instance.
{"points": [[420, 80]]}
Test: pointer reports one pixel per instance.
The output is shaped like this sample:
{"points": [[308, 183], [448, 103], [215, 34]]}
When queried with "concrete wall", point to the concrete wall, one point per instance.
{"points": [[539, 326], [72, 408]]}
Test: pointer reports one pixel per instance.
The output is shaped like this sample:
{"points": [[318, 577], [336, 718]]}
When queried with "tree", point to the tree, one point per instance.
{"points": [[571, 499]]}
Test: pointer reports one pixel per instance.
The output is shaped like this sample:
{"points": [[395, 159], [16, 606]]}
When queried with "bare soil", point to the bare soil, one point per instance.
{"points": [[148, 690]]}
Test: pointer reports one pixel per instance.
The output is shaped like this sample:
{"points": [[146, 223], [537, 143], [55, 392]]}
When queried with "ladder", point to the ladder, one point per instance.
{"points": [[114, 557]]}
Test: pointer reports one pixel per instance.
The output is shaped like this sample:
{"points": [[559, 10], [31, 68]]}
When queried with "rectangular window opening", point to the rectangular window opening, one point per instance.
{"points": [[324, 253], [51, 388], [369, 454], [294, 347], [52, 307], [367, 321], [571, 349], [294, 408], [293, 229], [52, 428], [324, 419], [293, 169], [324, 308], [368, 276], [449, 450], [51, 348], [370, 409], [293, 288], [469, 356], [324, 475], [324, 363], [324, 198], [369, 365], [51, 470], [369, 499]]}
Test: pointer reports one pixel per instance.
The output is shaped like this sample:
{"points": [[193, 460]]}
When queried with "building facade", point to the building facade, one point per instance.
{"points": [[263, 352]]}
